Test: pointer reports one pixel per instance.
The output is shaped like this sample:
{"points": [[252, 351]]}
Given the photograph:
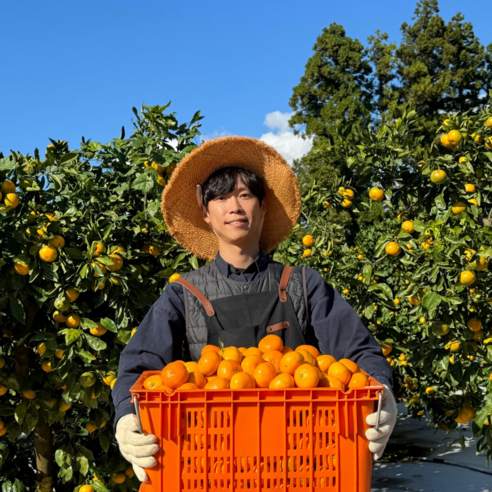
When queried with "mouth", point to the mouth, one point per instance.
{"points": [[237, 223]]}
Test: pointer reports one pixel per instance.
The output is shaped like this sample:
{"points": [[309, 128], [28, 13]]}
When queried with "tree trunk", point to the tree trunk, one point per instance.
{"points": [[43, 447], [43, 437]]}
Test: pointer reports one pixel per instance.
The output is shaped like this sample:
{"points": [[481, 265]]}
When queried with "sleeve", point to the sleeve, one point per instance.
{"points": [[158, 340], [340, 332]]}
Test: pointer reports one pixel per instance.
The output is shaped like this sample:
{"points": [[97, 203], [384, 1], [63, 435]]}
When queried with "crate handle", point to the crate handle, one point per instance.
{"points": [[137, 411], [380, 404]]}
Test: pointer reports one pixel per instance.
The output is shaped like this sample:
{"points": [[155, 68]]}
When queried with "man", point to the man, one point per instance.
{"points": [[248, 202]]}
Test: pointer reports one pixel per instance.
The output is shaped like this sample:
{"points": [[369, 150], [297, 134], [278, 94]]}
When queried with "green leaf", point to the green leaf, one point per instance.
{"points": [[482, 415], [57, 183], [88, 324], [109, 324], [86, 452], [451, 300], [431, 300], [123, 336], [99, 486], [17, 310], [369, 311], [440, 202], [6, 164], [367, 272], [104, 441], [419, 226], [69, 157], [144, 182], [20, 412], [83, 464], [74, 253], [95, 342], [385, 288], [71, 335], [166, 273], [31, 419], [194, 262], [87, 356]]}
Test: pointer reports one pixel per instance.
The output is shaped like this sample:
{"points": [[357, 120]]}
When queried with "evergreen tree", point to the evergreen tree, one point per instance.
{"points": [[336, 84], [437, 68]]}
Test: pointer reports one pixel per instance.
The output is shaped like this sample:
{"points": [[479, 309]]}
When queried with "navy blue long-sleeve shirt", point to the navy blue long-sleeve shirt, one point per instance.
{"points": [[159, 338]]}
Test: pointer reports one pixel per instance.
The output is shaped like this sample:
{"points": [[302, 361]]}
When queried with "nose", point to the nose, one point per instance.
{"points": [[235, 204]]}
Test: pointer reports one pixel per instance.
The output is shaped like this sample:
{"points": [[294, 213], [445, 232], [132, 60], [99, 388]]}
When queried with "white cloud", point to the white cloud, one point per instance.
{"points": [[215, 134], [283, 140]]}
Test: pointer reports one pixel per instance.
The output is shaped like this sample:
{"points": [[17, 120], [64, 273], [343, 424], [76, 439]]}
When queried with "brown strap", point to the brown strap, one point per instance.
{"points": [[205, 302], [284, 280], [278, 326]]}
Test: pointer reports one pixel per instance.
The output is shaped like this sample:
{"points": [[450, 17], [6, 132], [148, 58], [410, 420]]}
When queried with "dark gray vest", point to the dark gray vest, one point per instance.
{"points": [[213, 285]]}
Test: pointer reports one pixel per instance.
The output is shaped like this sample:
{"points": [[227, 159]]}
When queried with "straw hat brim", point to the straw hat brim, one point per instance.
{"points": [[179, 203]]}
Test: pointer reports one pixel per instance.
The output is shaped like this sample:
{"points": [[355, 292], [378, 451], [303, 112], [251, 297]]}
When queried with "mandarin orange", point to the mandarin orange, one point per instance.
{"points": [[282, 380], [251, 362], [264, 374], [311, 349], [189, 386], [252, 351], [197, 378], [340, 371], [350, 365], [242, 380], [208, 348], [271, 342], [274, 357], [153, 382], [325, 361], [174, 375], [336, 383], [227, 368], [291, 361], [358, 380], [218, 384], [308, 358], [191, 366], [232, 353], [209, 362], [306, 376]]}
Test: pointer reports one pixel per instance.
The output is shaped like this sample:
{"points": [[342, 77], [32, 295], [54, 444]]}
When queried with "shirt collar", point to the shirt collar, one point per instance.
{"points": [[259, 264]]}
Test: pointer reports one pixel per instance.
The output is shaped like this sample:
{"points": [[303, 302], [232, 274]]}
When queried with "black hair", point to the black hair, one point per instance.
{"points": [[224, 181]]}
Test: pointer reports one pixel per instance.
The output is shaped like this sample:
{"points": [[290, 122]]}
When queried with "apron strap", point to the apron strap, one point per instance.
{"points": [[205, 302], [282, 286]]}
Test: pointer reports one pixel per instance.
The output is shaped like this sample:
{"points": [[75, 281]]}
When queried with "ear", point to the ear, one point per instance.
{"points": [[263, 206], [205, 214]]}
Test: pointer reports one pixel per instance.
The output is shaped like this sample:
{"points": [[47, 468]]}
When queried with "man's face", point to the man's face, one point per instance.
{"points": [[237, 216]]}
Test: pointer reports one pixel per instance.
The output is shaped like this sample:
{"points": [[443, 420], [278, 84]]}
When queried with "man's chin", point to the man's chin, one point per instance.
{"points": [[239, 238]]}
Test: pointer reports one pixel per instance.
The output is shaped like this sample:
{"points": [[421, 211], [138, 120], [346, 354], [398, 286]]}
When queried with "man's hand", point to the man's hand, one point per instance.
{"points": [[379, 438], [135, 447]]}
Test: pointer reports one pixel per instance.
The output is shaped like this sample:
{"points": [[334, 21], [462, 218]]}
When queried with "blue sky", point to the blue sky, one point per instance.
{"points": [[77, 68]]}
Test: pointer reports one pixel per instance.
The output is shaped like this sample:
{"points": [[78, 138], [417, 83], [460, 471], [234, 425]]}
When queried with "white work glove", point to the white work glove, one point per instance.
{"points": [[379, 438], [135, 447]]}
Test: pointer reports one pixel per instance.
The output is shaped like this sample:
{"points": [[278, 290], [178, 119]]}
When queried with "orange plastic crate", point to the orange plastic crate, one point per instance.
{"points": [[258, 439]]}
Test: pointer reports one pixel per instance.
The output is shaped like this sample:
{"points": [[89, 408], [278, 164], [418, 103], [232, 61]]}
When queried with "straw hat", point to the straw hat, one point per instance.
{"points": [[183, 215]]}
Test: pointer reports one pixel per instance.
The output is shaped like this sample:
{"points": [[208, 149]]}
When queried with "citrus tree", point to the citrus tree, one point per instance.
{"points": [[419, 275], [84, 253]]}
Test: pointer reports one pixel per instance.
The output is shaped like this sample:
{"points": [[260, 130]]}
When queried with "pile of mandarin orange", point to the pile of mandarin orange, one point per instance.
{"points": [[270, 365]]}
